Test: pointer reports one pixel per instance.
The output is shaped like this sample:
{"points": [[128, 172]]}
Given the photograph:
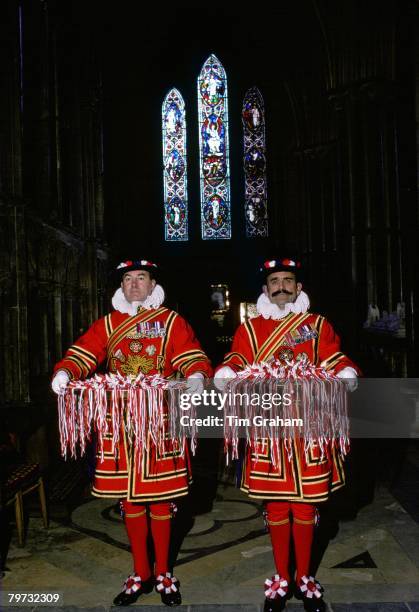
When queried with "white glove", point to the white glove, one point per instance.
{"points": [[60, 381], [222, 375], [195, 383], [350, 377]]}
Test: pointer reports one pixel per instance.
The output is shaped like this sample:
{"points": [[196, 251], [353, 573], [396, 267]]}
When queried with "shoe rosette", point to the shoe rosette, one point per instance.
{"points": [[132, 589], [276, 587], [166, 583], [168, 587], [132, 584], [310, 588]]}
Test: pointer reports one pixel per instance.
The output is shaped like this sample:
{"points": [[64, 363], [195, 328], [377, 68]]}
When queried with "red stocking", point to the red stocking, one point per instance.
{"points": [[137, 529], [160, 516], [302, 532], [279, 528]]}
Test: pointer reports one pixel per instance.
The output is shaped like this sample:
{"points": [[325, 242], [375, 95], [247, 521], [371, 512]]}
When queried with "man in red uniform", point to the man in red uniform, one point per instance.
{"points": [[285, 330], [140, 335]]}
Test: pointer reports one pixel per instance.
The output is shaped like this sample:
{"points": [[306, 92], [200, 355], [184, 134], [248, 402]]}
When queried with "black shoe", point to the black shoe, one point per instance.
{"points": [[275, 605], [168, 588], [277, 593], [313, 602], [314, 605], [133, 588]]}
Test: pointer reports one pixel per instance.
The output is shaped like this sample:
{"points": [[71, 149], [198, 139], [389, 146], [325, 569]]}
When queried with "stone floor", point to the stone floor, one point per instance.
{"points": [[223, 560]]}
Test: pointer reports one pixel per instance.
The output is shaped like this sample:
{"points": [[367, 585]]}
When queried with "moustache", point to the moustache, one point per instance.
{"points": [[280, 291]]}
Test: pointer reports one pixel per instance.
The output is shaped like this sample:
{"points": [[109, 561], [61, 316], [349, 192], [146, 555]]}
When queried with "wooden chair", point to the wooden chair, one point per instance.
{"points": [[20, 480]]}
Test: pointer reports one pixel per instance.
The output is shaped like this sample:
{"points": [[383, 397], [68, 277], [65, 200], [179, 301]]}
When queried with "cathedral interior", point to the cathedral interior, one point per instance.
{"points": [[82, 187]]}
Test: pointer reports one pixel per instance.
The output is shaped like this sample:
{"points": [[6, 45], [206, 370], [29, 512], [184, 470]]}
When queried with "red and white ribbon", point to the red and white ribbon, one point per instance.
{"points": [[132, 584], [167, 583], [145, 407], [310, 587], [277, 587], [315, 413]]}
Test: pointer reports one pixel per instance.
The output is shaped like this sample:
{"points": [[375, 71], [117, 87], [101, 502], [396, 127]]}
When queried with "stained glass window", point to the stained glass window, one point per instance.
{"points": [[174, 167], [253, 117], [214, 151]]}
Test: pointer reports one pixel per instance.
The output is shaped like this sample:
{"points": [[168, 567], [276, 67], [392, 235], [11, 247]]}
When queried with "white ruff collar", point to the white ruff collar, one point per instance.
{"points": [[268, 310], [154, 300]]}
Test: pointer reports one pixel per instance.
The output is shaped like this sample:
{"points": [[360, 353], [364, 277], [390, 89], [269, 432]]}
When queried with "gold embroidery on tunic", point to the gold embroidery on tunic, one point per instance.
{"points": [[136, 363], [161, 360]]}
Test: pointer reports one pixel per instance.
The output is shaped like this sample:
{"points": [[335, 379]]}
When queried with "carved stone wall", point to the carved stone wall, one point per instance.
{"points": [[346, 182], [53, 258]]}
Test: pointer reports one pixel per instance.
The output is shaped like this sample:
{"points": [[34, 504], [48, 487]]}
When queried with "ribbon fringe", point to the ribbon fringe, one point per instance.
{"points": [[318, 398], [146, 407]]}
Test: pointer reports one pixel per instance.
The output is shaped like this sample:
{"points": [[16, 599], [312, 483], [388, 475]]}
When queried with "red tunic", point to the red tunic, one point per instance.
{"points": [[153, 341], [302, 478]]}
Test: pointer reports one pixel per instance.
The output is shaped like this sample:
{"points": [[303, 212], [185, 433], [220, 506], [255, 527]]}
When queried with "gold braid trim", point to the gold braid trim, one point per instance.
{"points": [[231, 356], [135, 515], [180, 360], [300, 522], [252, 337], [332, 361], [283, 522], [163, 517]]}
